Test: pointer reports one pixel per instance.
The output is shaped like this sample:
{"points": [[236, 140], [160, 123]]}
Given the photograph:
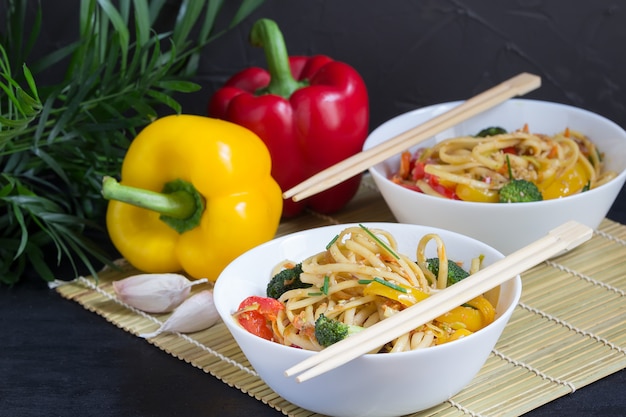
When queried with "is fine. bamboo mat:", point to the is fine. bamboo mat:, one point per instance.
{"points": [[566, 332]]}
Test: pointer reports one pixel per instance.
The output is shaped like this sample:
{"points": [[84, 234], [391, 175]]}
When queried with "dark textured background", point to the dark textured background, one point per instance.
{"points": [[413, 53], [57, 359]]}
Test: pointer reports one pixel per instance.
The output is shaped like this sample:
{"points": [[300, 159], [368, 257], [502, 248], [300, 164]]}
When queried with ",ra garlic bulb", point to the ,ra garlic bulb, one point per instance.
{"points": [[154, 293], [196, 313]]}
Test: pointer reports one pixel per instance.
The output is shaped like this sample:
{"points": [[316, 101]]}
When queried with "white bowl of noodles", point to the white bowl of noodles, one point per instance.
{"points": [[375, 384], [507, 227]]}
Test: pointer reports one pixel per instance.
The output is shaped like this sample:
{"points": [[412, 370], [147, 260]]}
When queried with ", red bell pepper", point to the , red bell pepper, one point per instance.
{"points": [[311, 112]]}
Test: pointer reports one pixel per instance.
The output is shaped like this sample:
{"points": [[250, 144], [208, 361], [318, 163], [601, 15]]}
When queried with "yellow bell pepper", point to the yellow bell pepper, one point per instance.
{"points": [[195, 193], [401, 293], [477, 314], [572, 181], [481, 195], [455, 335]]}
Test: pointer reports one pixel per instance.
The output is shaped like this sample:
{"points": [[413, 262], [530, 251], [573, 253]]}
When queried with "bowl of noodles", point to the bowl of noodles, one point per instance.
{"points": [[350, 277], [461, 179]]}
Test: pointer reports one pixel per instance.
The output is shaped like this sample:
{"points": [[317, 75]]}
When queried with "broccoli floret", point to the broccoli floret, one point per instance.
{"points": [[455, 272], [520, 191], [490, 131], [285, 280], [329, 331]]}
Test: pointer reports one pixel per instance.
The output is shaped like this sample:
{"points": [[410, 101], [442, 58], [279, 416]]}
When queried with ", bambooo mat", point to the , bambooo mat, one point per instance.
{"points": [[567, 331]]}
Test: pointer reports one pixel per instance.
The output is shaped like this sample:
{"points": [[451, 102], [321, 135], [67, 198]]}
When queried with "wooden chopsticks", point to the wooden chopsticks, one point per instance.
{"points": [[518, 85], [561, 239]]}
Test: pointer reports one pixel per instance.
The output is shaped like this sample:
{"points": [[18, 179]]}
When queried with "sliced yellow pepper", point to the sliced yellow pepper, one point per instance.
{"points": [[486, 309], [457, 334], [481, 195], [466, 316], [196, 192], [479, 314], [407, 296], [572, 181]]}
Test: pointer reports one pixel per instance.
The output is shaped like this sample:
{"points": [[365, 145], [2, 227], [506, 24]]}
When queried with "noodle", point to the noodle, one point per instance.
{"points": [[361, 279], [559, 165]]}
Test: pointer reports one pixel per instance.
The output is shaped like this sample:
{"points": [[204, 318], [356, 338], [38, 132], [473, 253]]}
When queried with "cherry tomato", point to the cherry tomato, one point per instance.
{"points": [[411, 187], [418, 173], [258, 314], [510, 150], [436, 185]]}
